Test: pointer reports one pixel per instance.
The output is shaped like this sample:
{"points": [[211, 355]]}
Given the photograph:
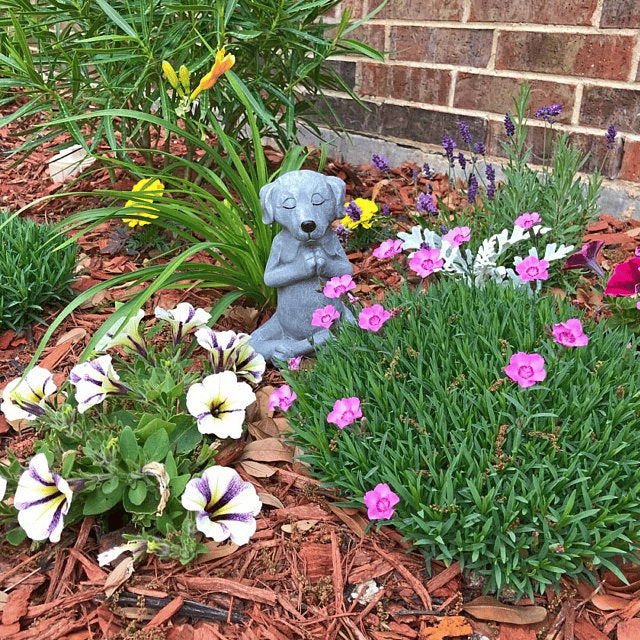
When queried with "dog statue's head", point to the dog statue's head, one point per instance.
{"points": [[303, 202]]}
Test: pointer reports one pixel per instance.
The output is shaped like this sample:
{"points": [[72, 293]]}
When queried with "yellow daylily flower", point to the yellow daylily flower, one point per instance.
{"points": [[146, 185], [185, 78], [170, 74], [368, 216], [222, 64]]}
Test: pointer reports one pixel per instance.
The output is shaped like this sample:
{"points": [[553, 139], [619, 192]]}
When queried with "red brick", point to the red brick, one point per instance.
{"points": [[595, 56], [607, 161], [354, 5], [469, 47], [602, 106], [630, 169], [495, 94], [620, 14], [538, 140], [416, 84], [578, 12], [412, 10], [371, 34]]}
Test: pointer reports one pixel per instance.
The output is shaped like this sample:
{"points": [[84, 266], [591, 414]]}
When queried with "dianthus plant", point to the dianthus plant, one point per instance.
{"points": [[485, 264], [133, 433]]}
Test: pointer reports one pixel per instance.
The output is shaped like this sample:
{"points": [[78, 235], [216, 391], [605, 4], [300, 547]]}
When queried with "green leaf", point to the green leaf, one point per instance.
{"points": [[98, 502], [156, 447], [129, 449], [138, 492], [16, 536]]}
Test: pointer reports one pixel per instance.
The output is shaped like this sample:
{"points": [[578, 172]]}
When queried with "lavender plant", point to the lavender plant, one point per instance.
{"points": [[132, 436], [505, 425]]}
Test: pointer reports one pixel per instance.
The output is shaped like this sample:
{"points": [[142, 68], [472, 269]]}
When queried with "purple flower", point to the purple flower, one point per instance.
{"points": [[426, 203], [462, 161], [526, 368], [532, 268], [509, 127], [345, 411], [426, 170], [570, 333], [380, 162], [490, 172], [294, 363], [472, 192], [479, 148], [465, 132], [386, 212], [380, 502], [342, 232], [549, 112], [353, 211], [448, 145], [415, 173], [586, 258], [610, 135]]}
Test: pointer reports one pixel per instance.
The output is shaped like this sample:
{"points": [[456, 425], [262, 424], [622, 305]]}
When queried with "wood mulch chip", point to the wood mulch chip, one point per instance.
{"points": [[313, 570]]}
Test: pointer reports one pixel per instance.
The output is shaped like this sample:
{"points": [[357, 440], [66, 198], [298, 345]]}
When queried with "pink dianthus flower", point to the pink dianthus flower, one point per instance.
{"points": [[532, 268], [456, 236], [373, 317], [425, 261], [345, 411], [325, 316], [338, 285], [282, 398], [527, 220], [380, 502], [526, 368], [388, 249], [570, 333]]}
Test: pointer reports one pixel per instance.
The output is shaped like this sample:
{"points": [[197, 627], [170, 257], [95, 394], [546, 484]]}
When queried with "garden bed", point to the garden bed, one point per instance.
{"points": [[297, 576]]}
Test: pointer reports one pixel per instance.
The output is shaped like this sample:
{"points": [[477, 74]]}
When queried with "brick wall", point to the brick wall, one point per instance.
{"points": [[465, 59]]}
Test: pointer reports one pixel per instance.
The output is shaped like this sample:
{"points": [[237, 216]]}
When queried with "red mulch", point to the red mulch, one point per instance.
{"points": [[297, 577]]}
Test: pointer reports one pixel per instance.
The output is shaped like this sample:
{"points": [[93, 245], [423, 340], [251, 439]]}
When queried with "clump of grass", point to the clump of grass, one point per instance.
{"points": [[522, 485], [34, 274]]}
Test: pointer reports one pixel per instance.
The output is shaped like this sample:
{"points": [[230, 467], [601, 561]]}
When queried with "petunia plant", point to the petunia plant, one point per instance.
{"points": [[133, 433]]}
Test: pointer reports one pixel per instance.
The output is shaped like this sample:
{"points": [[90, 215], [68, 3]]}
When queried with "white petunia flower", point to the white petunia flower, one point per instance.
{"points": [[230, 351], [226, 506], [182, 319], [42, 499], [22, 398], [94, 381], [137, 548], [3, 487], [127, 336], [218, 403]]}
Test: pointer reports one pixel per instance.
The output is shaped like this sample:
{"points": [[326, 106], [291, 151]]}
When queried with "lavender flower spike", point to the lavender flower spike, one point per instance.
{"points": [[448, 145], [42, 499], [610, 135], [465, 132], [380, 162], [225, 505], [549, 112], [509, 127]]}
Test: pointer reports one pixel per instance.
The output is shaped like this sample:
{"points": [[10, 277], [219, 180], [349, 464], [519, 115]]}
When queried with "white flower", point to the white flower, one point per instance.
{"points": [[22, 398], [230, 351], [42, 499], [137, 548], [3, 487], [182, 319], [127, 336], [226, 506], [218, 403], [94, 380]]}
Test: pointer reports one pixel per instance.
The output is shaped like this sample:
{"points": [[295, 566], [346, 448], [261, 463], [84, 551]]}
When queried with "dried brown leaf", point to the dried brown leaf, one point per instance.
{"points": [[257, 469], [271, 500], [605, 602], [352, 518], [217, 550], [123, 571], [267, 450], [488, 608]]}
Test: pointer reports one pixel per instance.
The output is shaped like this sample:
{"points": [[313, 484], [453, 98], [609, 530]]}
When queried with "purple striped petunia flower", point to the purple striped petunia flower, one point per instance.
{"points": [[225, 505], [182, 319], [42, 499]]}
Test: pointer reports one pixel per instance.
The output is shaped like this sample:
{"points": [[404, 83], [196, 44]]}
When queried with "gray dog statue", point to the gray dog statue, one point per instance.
{"points": [[304, 255]]}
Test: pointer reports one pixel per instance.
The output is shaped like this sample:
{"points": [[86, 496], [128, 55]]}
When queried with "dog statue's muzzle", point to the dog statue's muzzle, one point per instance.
{"points": [[308, 226]]}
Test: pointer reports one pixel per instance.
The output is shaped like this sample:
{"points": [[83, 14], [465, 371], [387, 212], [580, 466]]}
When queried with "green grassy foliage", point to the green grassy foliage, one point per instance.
{"points": [[522, 485], [34, 276]]}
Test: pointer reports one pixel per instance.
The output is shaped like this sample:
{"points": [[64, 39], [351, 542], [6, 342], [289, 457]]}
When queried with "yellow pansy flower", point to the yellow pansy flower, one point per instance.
{"points": [[222, 64], [368, 216], [146, 185]]}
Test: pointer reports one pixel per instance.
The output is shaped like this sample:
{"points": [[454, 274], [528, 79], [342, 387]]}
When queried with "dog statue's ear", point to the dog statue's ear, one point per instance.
{"points": [[268, 214], [339, 189]]}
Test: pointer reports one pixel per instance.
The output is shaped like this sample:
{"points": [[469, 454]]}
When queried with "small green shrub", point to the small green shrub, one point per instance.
{"points": [[522, 485], [34, 275]]}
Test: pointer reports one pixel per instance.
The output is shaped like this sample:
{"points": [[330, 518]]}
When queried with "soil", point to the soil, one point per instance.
{"points": [[300, 574]]}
